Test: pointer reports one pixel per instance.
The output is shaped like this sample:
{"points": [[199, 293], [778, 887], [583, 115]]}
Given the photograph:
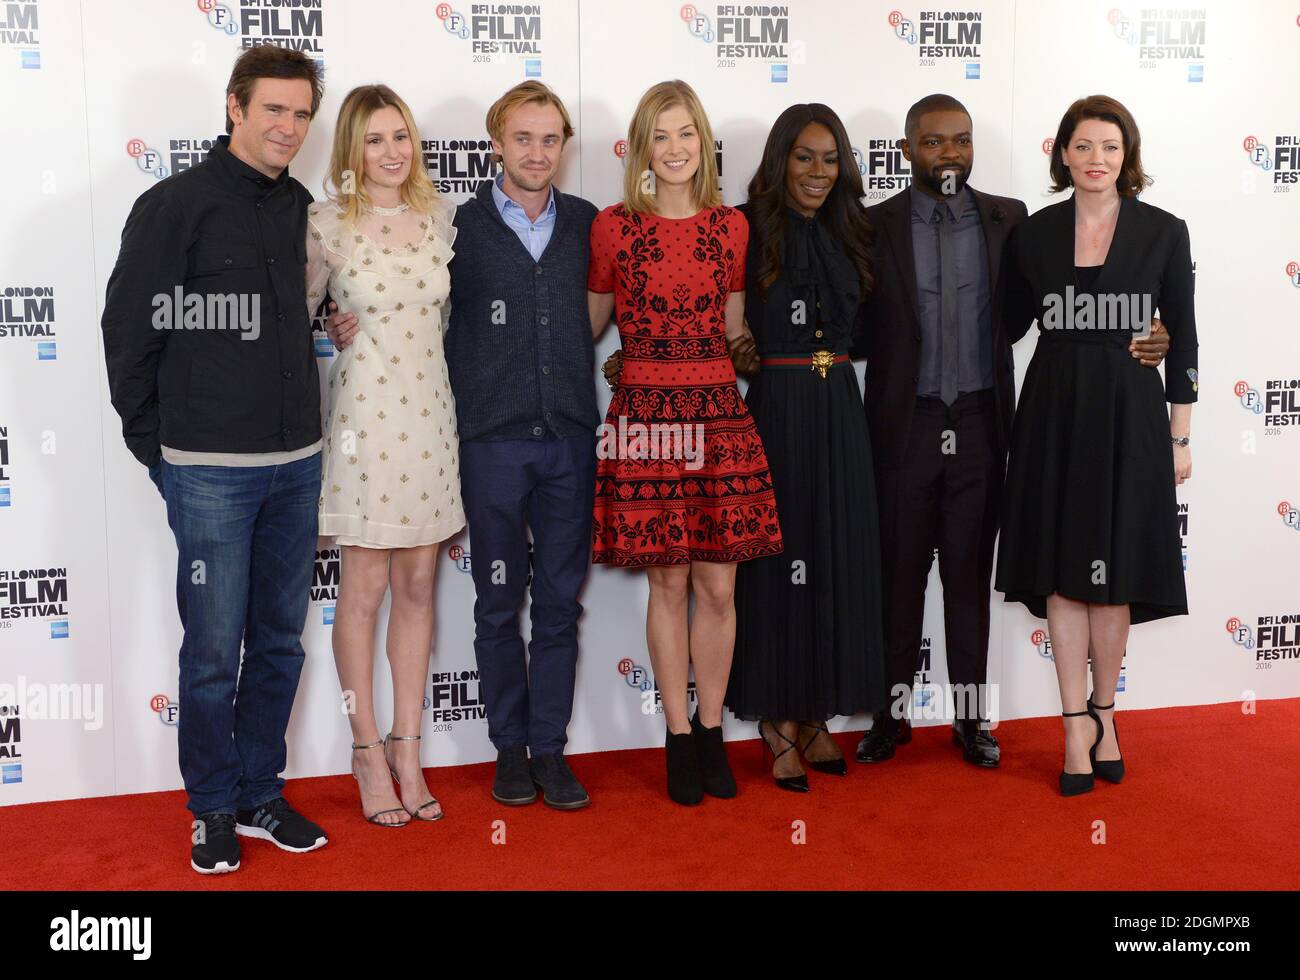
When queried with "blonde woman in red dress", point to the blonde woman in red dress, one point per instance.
{"points": [[682, 482]]}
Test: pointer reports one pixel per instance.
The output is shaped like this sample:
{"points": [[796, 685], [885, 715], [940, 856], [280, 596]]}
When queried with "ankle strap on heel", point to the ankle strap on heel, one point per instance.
{"points": [[403, 738], [1101, 707], [1073, 714], [369, 745]]}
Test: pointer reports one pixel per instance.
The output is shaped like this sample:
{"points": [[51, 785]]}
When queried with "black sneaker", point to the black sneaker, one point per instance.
{"points": [[513, 785], [216, 848], [560, 787], [276, 821]]}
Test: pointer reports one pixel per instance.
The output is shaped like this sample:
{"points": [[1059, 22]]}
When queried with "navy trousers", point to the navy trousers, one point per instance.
{"points": [[509, 488]]}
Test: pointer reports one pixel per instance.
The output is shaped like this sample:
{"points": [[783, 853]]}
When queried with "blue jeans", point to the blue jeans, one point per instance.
{"points": [[245, 543], [510, 487]]}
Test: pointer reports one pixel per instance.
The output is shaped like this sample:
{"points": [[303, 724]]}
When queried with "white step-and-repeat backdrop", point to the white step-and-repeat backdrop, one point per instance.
{"points": [[105, 97]]}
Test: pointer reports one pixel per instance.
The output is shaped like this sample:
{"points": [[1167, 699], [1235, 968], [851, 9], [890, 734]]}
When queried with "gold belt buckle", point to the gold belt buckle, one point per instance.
{"points": [[821, 360]]}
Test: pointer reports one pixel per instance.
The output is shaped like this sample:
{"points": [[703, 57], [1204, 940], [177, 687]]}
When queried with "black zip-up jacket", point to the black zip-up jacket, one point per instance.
{"points": [[204, 383]]}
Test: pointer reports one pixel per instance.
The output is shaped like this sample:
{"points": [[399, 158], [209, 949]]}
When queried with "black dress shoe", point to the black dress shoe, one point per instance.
{"points": [[979, 746], [878, 744], [513, 785], [560, 787]]}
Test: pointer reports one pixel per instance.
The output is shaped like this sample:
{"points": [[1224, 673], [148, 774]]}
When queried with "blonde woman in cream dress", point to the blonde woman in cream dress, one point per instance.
{"points": [[390, 489]]}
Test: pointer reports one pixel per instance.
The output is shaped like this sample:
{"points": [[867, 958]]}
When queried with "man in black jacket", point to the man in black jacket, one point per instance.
{"points": [[940, 392], [207, 339]]}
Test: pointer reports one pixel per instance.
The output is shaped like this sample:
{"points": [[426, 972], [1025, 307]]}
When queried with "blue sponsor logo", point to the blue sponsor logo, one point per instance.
{"points": [[4, 497], [1196, 73], [327, 615], [972, 71], [47, 350], [323, 347], [532, 68], [780, 73], [12, 773], [31, 59], [59, 629]]}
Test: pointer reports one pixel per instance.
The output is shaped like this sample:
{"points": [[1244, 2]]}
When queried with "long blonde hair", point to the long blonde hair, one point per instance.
{"points": [[344, 184], [640, 146]]}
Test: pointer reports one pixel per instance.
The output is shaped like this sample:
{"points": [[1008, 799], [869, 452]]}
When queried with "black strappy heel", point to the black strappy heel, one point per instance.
{"points": [[833, 767], [1111, 770], [796, 784]]}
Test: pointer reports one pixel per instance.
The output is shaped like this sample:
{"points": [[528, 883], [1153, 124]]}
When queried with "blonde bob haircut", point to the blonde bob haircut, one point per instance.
{"points": [[344, 184], [640, 145]]}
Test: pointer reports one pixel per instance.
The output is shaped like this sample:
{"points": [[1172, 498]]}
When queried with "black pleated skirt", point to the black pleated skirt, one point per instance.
{"points": [[808, 621], [1089, 510]]}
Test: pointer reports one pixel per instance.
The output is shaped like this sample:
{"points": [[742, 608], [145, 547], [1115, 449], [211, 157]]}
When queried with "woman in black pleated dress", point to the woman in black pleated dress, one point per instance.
{"points": [[808, 621], [1089, 521]]}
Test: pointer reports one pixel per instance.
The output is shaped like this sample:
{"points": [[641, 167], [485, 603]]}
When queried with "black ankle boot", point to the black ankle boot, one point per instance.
{"points": [[685, 784], [715, 771]]}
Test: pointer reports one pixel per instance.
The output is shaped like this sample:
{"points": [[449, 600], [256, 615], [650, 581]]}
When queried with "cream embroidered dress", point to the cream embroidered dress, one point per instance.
{"points": [[390, 476]]}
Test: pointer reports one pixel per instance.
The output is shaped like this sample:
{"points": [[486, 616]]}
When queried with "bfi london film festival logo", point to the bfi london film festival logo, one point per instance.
{"points": [[295, 24], [883, 168], [1042, 644], [6, 498], [1290, 515], [35, 593], [620, 151], [182, 153], [11, 744], [1278, 157], [1278, 403], [497, 32], [1273, 639], [455, 696], [325, 574], [20, 26], [27, 312], [1184, 515], [459, 166], [641, 679], [167, 710], [742, 34], [459, 556], [1164, 36], [943, 37]]}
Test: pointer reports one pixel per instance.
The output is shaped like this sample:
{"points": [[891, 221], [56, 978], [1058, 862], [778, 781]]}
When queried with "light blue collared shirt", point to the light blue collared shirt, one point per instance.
{"points": [[533, 234]]}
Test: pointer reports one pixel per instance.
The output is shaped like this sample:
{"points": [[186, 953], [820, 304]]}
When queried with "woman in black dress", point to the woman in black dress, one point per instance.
{"points": [[1089, 527], [808, 621]]}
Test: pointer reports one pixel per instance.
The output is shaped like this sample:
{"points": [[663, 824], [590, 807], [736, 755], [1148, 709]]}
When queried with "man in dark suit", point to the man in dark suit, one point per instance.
{"points": [[940, 393]]}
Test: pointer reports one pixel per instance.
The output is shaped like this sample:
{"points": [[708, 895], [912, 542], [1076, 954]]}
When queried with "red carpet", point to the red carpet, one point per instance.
{"points": [[1212, 800]]}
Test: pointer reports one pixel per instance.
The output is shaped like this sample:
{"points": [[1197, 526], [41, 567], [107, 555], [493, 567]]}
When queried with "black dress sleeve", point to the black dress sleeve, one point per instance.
{"points": [[1018, 305], [1178, 314]]}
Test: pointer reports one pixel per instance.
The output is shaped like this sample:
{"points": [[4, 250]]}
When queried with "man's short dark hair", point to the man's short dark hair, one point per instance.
{"points": [[269, 61], [931, 103]]}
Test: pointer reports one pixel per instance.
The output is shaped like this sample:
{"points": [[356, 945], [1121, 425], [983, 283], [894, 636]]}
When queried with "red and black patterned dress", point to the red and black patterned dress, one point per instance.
{"points": [[710, 501]]}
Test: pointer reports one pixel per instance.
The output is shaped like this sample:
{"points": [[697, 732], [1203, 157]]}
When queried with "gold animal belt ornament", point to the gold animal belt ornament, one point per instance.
{"points": [[819, 361]]}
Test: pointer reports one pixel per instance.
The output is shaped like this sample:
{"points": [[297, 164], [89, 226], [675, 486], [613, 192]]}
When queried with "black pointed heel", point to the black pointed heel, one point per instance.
{"points": [[795, 784], [1111, 770], [1074, 783], [832, 767]]}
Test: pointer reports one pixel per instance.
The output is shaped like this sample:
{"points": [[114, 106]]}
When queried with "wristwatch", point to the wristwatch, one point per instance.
{"points": [[1180, 440]]}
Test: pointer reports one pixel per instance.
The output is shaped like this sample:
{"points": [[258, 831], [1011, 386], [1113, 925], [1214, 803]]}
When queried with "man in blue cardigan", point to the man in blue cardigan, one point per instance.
{"points": [[519, 350]]}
